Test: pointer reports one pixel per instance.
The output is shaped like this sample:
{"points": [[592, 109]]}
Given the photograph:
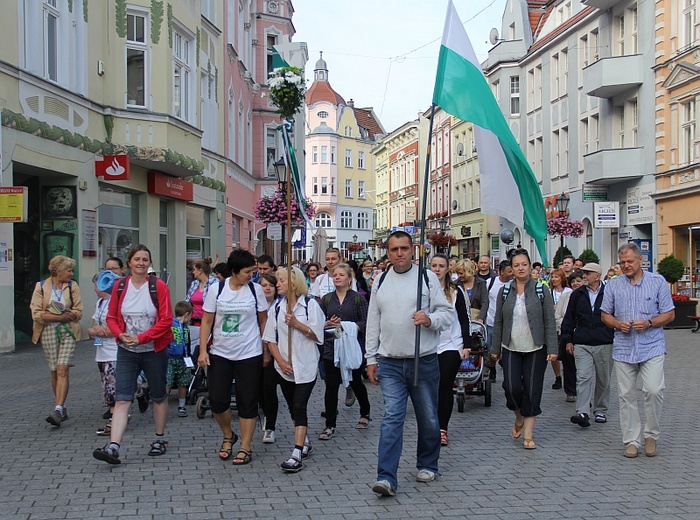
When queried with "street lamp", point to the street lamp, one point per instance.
{"points": [[442, 222], [562, 205], [354, 241], [281, 171]]}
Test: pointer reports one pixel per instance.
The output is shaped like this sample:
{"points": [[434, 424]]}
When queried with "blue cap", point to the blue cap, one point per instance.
{"points": [[105, 282]]}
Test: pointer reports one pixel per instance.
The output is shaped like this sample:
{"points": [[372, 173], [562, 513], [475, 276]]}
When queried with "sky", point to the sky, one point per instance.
{"points": [[383, 53]]}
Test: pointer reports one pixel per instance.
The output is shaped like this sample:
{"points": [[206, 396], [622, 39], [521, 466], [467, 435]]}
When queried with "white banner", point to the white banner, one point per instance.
{"points": [[606, 214]]}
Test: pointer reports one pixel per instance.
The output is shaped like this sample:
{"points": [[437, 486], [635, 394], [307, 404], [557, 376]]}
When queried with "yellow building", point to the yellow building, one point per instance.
{"points": [[677, 155]]}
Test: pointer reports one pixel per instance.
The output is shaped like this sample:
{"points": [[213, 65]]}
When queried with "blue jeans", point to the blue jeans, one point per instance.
{"points": [[396, 380]]}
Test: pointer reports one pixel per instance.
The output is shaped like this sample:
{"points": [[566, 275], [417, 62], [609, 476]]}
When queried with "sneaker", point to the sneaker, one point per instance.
{"points": [[383, 488], [55, 418], [425, 475], [600, 418], [269, 437], [581, 419], [570, 398], [349, 397], [557, 384], [181, 411], [292, 465], [443, 438], [142, 398], [306, 451], [105, 431], [64, 414]]}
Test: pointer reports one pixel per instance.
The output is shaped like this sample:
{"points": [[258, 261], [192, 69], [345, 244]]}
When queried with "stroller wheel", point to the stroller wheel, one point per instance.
{"points": [[202, 406], [460, 403], [487, 392], [192, 398]]}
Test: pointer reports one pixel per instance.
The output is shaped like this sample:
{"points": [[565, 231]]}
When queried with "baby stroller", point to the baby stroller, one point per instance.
{"points": [[198, 392], [472, 377]]}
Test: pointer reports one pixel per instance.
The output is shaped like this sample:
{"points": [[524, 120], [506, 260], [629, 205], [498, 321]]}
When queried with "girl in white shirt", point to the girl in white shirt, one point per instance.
{"points": [[295, 362]]}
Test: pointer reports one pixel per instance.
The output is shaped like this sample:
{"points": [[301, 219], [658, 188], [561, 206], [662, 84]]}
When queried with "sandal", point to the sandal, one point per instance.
{"points": [[327, 434], [107, 454], [158, 448], [517, 429], [227, 452], [291, 465], [529, 444], [245, 459], [363, 423]]}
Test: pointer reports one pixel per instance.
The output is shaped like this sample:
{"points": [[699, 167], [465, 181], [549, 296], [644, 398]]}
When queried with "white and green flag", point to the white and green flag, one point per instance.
{"points": [[508, 186]]}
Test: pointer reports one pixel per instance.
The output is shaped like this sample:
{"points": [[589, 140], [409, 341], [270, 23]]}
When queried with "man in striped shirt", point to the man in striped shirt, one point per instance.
{"points": [[638, 305]]}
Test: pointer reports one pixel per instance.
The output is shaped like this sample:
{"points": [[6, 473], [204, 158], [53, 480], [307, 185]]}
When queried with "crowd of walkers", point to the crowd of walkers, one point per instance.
{"points": [[256, 327]]}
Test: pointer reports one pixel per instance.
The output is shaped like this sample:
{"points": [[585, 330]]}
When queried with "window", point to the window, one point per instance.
{"points": [[361, 160], [361, 190], [332, 154], [555, 76], [595, 52], [51, 40], [322, 114], [621, 35], [688, 23], [634, 130], [595, 136], [271, 42], [348, 131], [314, 186], [271, 144], [583, 56], [564, 153], [118, 223], [314, 154], [633, 31], [235, 229], [209, 10], [323, 220], [363, 220], [345, 219], [324, 185], [348, 158], [514, 95], [564, 73], [198, 232], [348, 188], [687, 144], [531, 88], [182, 74], [324, 154], [538, 87], [584, 140], [136, 49], [332, 185], [555, 155], [620, 125]]}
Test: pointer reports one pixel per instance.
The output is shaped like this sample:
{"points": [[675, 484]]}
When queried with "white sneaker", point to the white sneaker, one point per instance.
{"points": [[383, 488], [269, 437], [425, 475]]}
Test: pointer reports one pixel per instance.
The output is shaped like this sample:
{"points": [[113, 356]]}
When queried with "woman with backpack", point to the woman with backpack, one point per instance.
{"points": [[296, 369], [140, 317], [235, 312], [343, 308], [56, 310], [525, 338]]}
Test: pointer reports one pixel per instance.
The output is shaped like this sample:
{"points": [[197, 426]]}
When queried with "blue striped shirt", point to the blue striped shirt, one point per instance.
{"points": [[641, 301]]}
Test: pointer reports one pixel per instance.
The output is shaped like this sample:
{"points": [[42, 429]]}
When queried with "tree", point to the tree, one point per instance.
{"points": [[561, 253], [671, 268], [588, 255]]}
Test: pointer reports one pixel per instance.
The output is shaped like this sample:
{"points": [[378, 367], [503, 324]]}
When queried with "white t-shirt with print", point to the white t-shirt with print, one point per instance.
{"points": [[324, 285], [139, 314], [236, 331], [108, 350]]}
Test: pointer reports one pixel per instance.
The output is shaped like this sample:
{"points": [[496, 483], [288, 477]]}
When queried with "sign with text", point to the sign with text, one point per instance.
{"points": [[89, 233], [640, 206], [13, 203], [274, 231], [113, 167], [595, 193], [167, 186], [606, 214]]}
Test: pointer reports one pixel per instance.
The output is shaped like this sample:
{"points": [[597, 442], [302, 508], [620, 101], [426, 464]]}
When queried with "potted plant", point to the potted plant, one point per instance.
{"points": [[672, 269]]}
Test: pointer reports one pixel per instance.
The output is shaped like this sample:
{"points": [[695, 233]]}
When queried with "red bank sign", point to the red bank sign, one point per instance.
{"points": [[166, 186], [113, 167]]}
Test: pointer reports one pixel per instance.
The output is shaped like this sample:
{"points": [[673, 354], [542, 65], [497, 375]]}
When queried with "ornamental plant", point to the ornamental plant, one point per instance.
{"points": [[273, 209], [355, 247], [671, 268], [680, 297], [442, 239], [563, 226], [287, 90]]}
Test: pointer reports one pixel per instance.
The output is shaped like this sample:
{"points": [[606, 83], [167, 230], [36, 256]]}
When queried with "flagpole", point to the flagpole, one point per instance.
{"points": [[421, 265]]}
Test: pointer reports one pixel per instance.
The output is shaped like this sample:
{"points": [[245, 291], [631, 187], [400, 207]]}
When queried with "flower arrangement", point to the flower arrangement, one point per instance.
{"points": [[274, 209], [355, 247], [287, 90], [680, 297], [562, 226], [442, 239]]}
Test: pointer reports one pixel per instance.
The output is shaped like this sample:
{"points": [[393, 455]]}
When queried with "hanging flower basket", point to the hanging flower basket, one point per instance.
{"points": [[287, 90], [355, 247], [442, 239], [563, 226], [273, 209]]}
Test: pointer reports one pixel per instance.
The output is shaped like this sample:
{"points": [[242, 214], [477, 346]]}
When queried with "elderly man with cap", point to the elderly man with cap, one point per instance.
{"points": [[589, 340]]}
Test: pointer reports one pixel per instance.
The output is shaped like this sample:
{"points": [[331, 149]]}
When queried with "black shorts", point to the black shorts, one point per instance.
{"points": [[220, 376]]}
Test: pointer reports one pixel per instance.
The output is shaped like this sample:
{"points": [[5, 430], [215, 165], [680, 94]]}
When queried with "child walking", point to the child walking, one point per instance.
{"points": [[179, 374]]}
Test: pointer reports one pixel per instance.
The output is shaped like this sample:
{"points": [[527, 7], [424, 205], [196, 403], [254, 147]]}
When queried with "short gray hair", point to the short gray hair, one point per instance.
{"points": [[630, 246]]}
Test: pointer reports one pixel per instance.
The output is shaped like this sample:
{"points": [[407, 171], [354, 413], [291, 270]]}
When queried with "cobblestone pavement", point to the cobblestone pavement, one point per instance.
{"points": [[574, 473]]}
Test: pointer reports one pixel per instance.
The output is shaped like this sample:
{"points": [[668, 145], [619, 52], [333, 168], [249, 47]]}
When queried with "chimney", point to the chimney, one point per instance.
{"points": [[351, 103]]}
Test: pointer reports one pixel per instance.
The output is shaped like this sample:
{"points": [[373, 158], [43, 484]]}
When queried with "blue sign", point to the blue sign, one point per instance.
{"points": [[302, 241], [409, 229]]}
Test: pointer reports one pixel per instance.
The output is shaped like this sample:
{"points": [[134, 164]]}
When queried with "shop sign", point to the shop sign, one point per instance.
{"points": [[606, 214], [640, 206], [166, 186], [595, 193], [113, 167], [13, 203], [274, 231]]}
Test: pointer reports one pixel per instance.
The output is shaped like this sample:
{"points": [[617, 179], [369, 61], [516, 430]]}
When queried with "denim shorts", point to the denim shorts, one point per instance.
{"points": [[129, 366]]}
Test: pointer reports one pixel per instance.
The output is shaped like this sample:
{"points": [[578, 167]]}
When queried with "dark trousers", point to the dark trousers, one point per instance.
{"points": [[297, 397], [569, 370], [523, 377], [333, 381], [449, 362], [268, 395]]}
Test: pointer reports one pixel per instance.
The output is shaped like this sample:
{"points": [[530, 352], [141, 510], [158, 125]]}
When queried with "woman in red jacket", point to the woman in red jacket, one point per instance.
{"points": [[140, 318]]}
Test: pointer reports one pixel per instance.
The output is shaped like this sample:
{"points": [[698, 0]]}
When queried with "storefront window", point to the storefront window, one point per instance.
{"points": [[198, 233], [118, 216]]}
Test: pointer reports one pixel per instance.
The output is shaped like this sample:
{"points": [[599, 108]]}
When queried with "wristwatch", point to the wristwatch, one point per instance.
{"points": [[650, 324]]}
